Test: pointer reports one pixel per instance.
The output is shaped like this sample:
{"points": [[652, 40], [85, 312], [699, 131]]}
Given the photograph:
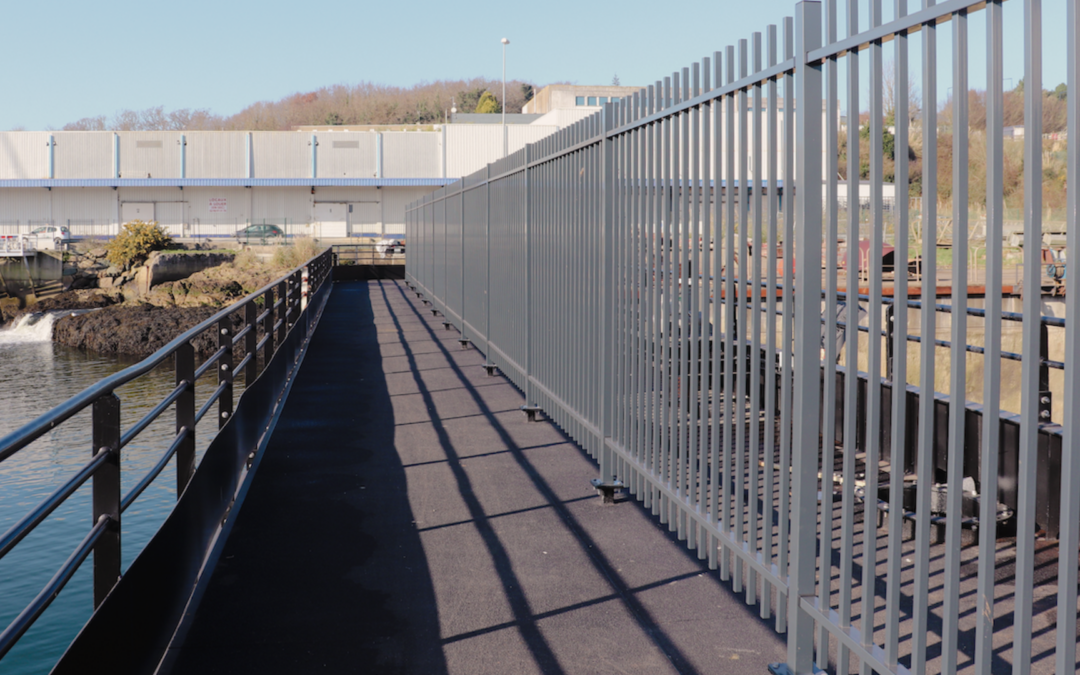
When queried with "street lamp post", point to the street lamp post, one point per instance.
{"points": [[505, 143]]}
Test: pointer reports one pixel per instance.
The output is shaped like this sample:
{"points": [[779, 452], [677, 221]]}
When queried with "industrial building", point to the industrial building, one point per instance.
{"points": [[212, 183]]}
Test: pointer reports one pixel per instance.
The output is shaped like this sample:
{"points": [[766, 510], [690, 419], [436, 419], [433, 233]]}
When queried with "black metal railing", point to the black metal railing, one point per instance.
{"points": [[274, 309]]}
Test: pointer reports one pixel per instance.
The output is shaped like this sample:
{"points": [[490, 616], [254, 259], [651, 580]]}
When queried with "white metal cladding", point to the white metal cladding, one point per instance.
{"points": [[291, 204], [150, 154], [84, 154], [25, 204], [394, 203], [471, 146], [698, 375], [24, 154], [411, 154], [281, 154], [87, 211], [346, 154], [216, 154]]}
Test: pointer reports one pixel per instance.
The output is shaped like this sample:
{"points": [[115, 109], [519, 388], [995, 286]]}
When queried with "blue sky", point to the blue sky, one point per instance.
{"points": [[79, 59]]}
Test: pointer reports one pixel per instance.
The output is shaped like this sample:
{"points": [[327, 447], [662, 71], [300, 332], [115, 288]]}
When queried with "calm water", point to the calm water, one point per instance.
{"points": [[36, 375]]}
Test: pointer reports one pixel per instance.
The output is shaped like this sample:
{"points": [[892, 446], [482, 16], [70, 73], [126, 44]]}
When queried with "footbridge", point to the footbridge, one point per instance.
{"points": [[630, 408]]}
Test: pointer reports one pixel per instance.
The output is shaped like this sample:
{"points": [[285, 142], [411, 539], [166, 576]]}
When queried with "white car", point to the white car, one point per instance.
{"points": [[57, 235], [389, 246]]}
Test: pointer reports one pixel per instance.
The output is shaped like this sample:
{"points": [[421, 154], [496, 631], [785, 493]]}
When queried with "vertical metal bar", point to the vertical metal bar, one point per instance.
{"points": [[1070, 448], [872, 445], [106, 495], [851, 342], [807, 337], [685, 319], [958, 366], [756, 364], [741, 346], [899, 350], [828, 367], [225, 366], [769, 361], [678, 312], [696, 327], [668, 315], [1029, 373], [656, 255], [185, 416], [716, 301], [489, 362], [730, 338], [786, 393], [707, 470], [925, 474]]}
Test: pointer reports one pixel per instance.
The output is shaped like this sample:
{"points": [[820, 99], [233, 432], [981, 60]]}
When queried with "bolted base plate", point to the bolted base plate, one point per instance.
{"points": [[606, 490], [465, 342], [447, 325], [434, 312], [530, 411], [490, 368]]}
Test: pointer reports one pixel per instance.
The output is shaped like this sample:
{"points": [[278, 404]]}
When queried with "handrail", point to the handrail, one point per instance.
{"points": [[20, 438], [293, 289]]}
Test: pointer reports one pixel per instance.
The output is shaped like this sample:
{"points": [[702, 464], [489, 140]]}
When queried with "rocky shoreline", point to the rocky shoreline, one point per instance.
{"points": [[142, 309]]}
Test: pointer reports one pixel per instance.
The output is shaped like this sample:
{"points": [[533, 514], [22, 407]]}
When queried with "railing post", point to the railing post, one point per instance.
{"points": [[268, 326], [808, 95], [225, 370], [283, 309], [106, 495], [890, 329], [530, 406], [185, 416], [605, 484], [1045, 396], [251, 343], [489, 364]]}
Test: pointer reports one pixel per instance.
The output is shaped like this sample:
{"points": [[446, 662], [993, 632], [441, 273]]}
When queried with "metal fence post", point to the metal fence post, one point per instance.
{"points": [[283, 309], [530, 408], [225, 371], [605, 485], [808, 94], [106, 495], [185, 417], [489, 365]]}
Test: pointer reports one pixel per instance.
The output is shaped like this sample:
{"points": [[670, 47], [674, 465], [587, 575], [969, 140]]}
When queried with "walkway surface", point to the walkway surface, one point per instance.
{"points": [[406, 518]]}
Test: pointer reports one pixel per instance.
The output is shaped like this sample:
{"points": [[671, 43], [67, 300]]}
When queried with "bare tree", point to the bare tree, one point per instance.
{"points": [[914, 100]]}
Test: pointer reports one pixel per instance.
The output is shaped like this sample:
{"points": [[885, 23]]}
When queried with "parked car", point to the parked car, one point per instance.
{"points": [[57, 235], [260, 234], [389, 246]]}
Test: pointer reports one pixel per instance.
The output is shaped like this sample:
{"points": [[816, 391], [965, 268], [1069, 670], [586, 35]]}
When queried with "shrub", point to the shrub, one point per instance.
{"points": [[299, 252], [136, 241]]}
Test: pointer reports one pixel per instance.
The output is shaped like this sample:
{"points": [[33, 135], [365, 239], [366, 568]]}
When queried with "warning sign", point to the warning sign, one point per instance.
{"points": [[218, 205]]}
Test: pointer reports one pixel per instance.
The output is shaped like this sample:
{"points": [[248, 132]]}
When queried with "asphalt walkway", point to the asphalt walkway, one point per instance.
{"points": [[407, 519]]}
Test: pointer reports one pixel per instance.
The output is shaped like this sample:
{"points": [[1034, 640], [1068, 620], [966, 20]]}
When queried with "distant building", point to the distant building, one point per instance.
{"points": [[492, 118], [562, 96]]}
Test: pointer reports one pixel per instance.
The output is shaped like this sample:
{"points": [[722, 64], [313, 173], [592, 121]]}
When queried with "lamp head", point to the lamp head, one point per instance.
{"points": [[505, 41]]}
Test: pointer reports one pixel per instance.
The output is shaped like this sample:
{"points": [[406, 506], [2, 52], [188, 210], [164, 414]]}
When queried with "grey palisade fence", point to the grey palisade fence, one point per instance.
{"points": [[658, 278]]}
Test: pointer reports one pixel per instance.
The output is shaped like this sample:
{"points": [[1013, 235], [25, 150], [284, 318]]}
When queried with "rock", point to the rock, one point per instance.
{"points": [[72, 299], [134, 330], [97, 253]]}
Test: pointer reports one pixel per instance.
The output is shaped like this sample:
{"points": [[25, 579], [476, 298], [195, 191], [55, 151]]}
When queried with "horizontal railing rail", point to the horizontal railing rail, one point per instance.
{"points": [[282, 300]]}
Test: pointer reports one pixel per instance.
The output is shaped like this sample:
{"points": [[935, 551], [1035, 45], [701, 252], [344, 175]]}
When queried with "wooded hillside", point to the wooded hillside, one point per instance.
{"points": [[364, 103]]}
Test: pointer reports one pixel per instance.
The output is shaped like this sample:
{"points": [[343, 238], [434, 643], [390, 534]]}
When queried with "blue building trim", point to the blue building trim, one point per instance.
{"points": [[225, 182]]}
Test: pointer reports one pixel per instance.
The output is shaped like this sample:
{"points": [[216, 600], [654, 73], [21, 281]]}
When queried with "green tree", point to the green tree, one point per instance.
{"points": [[1061, 92], [488, 104], [527, 92]]}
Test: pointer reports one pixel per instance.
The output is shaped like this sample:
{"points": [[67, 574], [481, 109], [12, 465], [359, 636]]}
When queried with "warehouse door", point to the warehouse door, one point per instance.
{"points": [[143, 211], [364, 219], [331, 219], [170, 216]]}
